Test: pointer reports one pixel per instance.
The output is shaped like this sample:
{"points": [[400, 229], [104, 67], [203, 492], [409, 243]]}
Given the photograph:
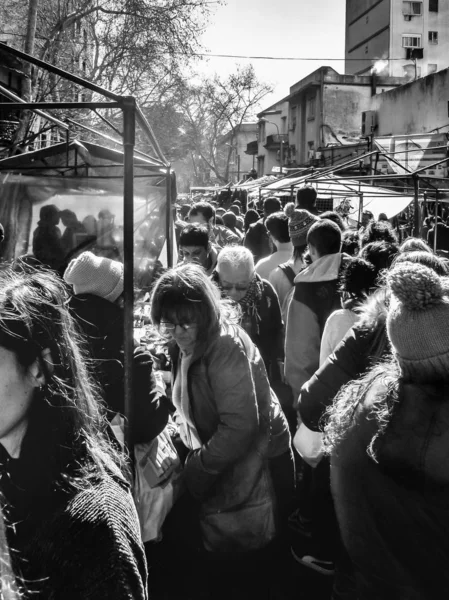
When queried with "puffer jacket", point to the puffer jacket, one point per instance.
{"points": [[365, 342], [240, 424], [393, 508]]}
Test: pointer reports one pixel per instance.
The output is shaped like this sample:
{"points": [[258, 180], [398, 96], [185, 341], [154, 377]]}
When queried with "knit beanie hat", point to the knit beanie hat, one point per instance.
{"points": [[417, 322], [90, 274], [299, 223]]}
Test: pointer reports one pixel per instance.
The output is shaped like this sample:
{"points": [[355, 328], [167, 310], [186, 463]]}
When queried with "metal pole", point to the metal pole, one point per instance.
{"points": [[129, 124], [435, 229], [282, 156], [416, 206], [168, 221]]}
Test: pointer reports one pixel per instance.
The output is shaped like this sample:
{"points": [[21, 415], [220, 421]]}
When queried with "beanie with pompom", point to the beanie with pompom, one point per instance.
{"points": [[90, 274], [299, 223], [417, 322]]}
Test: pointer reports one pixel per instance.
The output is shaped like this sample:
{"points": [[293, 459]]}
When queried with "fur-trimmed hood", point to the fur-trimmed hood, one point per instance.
{"points": [[374, 310]]}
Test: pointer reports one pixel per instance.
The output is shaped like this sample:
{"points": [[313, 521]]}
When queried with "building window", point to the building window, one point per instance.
{"points": [[431, 68], [261, 131], [411, 41], [412, 9], [311, 108], [433, 37], [433, 5]]}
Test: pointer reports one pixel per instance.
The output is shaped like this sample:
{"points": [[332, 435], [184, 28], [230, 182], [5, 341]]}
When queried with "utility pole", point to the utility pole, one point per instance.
{"points": [[26, 84]]}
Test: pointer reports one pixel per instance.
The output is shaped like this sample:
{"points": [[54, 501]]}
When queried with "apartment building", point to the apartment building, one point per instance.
{"points": [[400, 38]]}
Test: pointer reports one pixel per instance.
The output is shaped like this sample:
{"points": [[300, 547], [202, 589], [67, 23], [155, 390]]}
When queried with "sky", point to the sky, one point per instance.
{"points": [[287, 28]]}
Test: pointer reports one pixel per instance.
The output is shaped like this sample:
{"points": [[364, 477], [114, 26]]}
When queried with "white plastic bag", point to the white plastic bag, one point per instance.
{"points": [[309, 445], [157, 483]]}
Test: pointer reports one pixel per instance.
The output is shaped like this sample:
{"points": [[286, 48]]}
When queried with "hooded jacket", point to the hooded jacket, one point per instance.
{"points": [[393, 508], [315, 297], [365, 342]]}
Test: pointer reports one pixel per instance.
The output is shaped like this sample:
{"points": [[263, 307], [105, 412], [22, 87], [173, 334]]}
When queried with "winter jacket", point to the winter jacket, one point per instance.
{"points": [[102, 323], [315, 297], [66, 542], [264, 326], [257, 240], [363, 344], [240, 424], [337, 326], [393, 509]]}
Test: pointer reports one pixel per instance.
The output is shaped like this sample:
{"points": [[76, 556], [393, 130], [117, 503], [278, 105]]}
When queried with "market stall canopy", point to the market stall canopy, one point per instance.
{"points": [[82, 183], [253, 183], [77, 159]]}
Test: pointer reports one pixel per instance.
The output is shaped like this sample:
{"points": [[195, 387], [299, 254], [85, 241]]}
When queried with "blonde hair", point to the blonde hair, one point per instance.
{"points": [[9, 589]]}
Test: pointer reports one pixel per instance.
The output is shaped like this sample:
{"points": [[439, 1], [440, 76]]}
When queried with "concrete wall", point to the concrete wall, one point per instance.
{"points": [[367, 34], [247, 133], [277, 114], [434, 54], [416, 107]]}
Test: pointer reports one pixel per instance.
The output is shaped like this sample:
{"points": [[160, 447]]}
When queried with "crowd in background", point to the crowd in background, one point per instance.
{"points": [[290, 389]]}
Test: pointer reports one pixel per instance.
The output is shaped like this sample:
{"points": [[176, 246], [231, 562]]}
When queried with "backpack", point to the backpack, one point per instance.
{"points": [[288, 272]]}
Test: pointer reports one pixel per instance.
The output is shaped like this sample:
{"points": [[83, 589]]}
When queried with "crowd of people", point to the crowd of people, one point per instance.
{"points": [[300, 435]]}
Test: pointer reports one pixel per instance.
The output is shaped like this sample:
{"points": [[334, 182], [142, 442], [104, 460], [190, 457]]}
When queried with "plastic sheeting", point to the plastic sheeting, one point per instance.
{"points": [[91, 218]]}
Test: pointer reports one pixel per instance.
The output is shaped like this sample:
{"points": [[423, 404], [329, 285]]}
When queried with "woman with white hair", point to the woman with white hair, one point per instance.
{"points": [[260, 311]]}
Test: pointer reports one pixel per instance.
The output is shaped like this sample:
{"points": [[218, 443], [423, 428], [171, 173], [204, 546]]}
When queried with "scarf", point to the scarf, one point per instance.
{"points": [[249, 304]]}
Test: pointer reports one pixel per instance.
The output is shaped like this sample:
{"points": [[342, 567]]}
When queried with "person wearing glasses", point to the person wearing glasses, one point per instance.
{"points": [[258, 303], [239, 468]]}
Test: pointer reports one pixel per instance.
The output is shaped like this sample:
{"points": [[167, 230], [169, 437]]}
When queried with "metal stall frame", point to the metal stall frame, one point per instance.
{"points": [[132, 115]]}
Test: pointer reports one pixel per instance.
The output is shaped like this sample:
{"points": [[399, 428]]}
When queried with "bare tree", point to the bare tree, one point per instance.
{"points": [[131, 47], [217, 107]]}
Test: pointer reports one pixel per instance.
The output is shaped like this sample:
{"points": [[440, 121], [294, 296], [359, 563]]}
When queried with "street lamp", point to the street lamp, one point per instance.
{"points": [[281, 141]]}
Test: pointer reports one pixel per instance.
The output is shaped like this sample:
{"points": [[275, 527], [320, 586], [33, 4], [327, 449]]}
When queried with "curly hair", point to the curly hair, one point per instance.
{"points": [[378, 231], [342, 414]]}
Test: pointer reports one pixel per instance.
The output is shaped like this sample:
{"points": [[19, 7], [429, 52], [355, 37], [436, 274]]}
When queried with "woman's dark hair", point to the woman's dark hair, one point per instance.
{"points": [[335, 217], [357, 281], [189, 295], [379, 254], [36, 325], [219, 220], [378, 231], [428, 259], [251, 216]]}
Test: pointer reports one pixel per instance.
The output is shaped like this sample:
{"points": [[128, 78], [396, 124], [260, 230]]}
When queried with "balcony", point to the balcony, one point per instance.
{"points": [[273, 142], [252, 148]]}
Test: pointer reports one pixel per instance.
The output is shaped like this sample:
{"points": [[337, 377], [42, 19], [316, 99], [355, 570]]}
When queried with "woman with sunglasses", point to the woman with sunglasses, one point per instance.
{"points": [[239, 468]]}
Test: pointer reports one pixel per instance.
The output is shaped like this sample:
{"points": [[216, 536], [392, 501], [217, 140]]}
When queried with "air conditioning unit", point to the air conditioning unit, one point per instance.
{"points": [[369, 122], [407, 17]]}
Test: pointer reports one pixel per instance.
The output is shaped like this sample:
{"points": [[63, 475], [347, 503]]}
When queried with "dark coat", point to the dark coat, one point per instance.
{"points": [[239, 421], [66, 542], [393, 509], [102, 323], [366, 341]]}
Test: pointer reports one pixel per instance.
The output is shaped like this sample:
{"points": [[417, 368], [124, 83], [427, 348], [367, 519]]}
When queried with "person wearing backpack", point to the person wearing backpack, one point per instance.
{"points": [[283, 276]]}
